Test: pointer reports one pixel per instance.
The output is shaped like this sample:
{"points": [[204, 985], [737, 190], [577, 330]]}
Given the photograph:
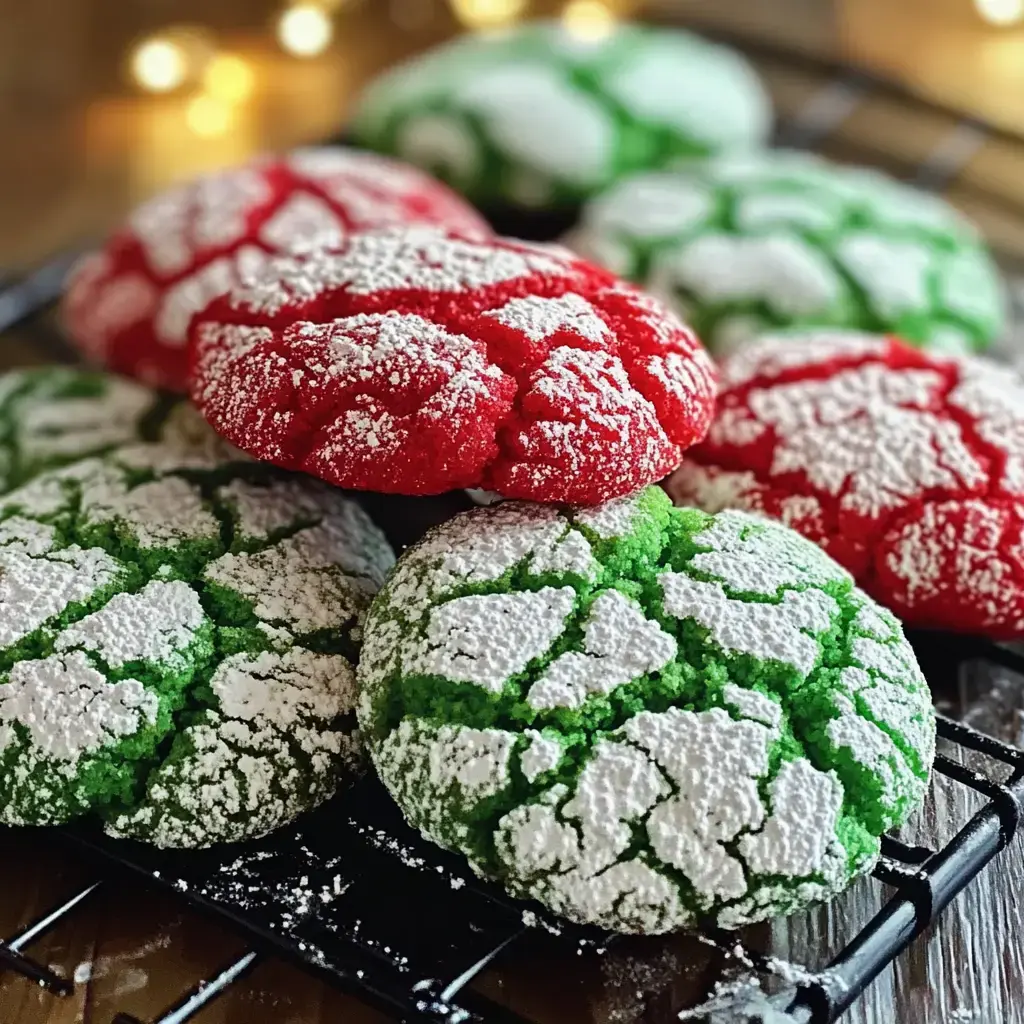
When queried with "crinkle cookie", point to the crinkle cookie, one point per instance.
{"points": [[538, 117], [412, 361], [177, 645], [746, 243], [907, 467], [128, 305], [642, 716], [53, 415]]}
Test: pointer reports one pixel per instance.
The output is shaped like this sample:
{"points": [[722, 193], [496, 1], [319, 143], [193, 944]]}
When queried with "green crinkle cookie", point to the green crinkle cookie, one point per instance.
{"points": [[177, 638], [643, 716], [537, 116], [747, 243], [54, 415]]}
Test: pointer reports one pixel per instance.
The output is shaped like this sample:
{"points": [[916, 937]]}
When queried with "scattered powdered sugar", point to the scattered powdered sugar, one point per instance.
{"points": [[651, 205], [36, 585], [269, 751], [751, 554], [797, 835], [893, 274], [539, 318], [610, 519], [319, 576], [754, 705], [302, 222], [716, 762], [420, 764], [157, 514], [775, 354], [48, 424], [534, 115], [542, 755], [780, 270]]}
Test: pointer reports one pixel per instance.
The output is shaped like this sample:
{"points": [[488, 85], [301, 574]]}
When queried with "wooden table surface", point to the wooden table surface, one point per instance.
{"points": [[80, 147]]}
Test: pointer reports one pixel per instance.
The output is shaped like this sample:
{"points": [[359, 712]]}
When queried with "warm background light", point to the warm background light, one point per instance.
{"points": [[1001, 12], [208, 116], [305, 30], [158, 65], [229, 78], [588, 19], [485, 14]]}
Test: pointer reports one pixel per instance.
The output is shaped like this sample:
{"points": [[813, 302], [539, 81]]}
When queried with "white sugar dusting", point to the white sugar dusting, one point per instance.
{"points": [[619, 645], [35, 587], [782, 271], [377, 261], [486, 639], [715, 761], [542, 755], [155, 625], [539, 318], [69, 709]]}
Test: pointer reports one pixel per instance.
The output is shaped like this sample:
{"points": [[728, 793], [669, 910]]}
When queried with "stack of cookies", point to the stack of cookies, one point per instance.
{"points": [[644, 715]]}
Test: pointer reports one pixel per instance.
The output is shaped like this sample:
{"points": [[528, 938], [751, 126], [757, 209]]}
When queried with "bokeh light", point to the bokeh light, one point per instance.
{"points": [[1001, 12], [158, 64], [208, 116], [486, 14], [229, 78], [305, 30], [591, 20]]}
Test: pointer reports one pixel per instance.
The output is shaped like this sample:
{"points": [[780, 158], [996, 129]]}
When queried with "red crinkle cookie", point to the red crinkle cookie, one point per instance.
{"points": [[129, 304], [413, 361], [908, 468]]}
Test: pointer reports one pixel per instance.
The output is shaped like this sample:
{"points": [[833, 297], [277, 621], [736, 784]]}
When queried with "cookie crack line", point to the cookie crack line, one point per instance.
{"points": [[190, 667], [552, 356], [578, 801]]}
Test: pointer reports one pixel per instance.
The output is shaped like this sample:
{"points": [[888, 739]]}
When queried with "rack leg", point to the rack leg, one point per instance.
{"points": [[203, 994]]}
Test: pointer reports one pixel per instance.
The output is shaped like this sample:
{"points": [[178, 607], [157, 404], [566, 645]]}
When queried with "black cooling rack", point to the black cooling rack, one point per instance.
{"points": [[353, 895]]}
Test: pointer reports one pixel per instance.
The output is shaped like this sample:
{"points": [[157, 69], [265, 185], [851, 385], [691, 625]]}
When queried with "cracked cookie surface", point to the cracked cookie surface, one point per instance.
{"points": [[907, 467], [128, 305], [642, 716], [538, 116], [744, 244], [177, 640], [53, 415], [414, 361]]}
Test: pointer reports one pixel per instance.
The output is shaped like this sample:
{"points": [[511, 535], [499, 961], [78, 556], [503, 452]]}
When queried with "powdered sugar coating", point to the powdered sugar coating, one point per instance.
{"points": [[906, 467], [129, 305], [714, 700], [154, 625], [415, 361], [145, 677], [54, 415], [747, 243], [538, 117], [240, 771]]}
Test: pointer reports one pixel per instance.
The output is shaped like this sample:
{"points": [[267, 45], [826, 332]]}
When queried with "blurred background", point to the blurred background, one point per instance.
{"points": [[103, 102]]}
